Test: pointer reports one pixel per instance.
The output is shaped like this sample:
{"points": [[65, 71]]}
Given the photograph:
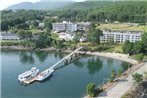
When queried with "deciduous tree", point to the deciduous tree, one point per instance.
{"points": [[91, 89]]}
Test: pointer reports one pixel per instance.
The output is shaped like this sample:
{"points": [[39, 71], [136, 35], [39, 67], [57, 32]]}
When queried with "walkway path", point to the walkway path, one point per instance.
{"points": [[122, 86]]}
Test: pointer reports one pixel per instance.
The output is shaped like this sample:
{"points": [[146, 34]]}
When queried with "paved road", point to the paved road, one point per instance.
{"points": [[123, 86]]}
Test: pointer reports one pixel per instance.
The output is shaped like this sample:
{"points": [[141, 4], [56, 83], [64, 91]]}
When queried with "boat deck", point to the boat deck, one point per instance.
{"points": [[33, 79], [30, 80]]}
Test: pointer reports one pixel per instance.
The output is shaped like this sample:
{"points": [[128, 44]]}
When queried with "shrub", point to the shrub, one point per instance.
{"points": [[137, 78], [90, 89], [119, 72], [10, 43], [139, 56]]}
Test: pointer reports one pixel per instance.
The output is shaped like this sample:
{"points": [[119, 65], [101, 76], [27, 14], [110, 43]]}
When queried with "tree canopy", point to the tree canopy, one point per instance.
{"points": [[136, 47], [94, 34], [91, 89]]}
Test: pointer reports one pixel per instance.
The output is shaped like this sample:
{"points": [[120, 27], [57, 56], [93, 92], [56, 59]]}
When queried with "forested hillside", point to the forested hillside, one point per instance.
{"points": [[96, 11], [124, 11]]}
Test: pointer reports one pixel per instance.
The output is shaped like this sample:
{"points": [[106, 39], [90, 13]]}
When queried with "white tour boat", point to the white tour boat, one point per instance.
{"points": [[28, 74], [43, 75]]}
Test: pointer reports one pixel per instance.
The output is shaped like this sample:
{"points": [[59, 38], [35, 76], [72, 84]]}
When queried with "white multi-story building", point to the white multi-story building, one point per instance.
{"points": [[120, 36], [65, 26], [58, 26], [71, 27]]}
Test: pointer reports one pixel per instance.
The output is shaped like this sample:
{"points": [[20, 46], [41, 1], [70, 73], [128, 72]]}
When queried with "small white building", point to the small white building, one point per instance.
{"points": [[83, 39], [66, 36], [8, 36], [120, 36], [41, 25]]}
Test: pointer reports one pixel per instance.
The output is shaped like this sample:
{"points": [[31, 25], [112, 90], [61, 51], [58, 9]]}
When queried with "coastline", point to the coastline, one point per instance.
{"points": [[117, 56]]}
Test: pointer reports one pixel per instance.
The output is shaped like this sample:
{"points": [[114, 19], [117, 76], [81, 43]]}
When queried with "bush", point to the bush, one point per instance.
{"points": [[119, 72], [112, 75], [137, 77], [10, 43], [90, 89], [139, 56], [128, 95], [145, 76]]}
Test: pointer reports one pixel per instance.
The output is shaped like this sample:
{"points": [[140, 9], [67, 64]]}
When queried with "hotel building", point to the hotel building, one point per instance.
{"points": [[65, 26], [120, 36]]}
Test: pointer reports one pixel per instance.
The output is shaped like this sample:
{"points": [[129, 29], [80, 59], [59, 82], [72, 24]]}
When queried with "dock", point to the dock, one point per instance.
{"points": [[53, 66], [30, 81]]}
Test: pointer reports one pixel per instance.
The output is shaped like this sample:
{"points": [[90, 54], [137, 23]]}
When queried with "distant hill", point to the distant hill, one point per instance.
{"points": [[88, 5], [40, 5], [123, 11]]}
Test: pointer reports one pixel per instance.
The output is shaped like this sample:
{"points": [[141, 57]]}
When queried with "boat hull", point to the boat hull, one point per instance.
{"points": [[45, 75]]}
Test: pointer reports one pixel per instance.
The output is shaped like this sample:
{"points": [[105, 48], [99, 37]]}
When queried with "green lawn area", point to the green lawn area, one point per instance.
{"points": [[55, 36], [123, 26], [115, 48], [35, 30], [10, 42]]}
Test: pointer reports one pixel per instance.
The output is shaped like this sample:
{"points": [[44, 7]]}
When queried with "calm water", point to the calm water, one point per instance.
{"points": [[66, 82]]}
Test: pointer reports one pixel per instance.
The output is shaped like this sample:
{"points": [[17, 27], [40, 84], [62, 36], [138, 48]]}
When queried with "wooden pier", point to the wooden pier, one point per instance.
{"points": [[52, 67]]}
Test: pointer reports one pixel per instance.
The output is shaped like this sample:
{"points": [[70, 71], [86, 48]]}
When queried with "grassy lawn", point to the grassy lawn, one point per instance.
{"points": [[35, 30], [138, 57], [115, 48], [9, 42], [55, 36], [123, 26]]}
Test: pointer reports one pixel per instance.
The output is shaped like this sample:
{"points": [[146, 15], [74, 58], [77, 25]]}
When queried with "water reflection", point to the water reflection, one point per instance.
{"points": [[110, 62], [78, 63], [125, 66], [26, 57], [58, 55], [94, 65], [41, 55]]}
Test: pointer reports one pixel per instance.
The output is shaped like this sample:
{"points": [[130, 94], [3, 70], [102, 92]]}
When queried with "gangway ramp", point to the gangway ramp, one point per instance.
{"points": [[66, 57]]}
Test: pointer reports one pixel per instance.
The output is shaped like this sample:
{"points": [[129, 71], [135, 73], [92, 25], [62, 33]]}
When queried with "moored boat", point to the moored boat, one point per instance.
{"points": [[45, 74], [28, 74]]}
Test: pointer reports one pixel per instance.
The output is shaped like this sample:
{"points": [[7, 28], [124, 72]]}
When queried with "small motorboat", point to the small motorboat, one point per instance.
{"points": [[28, 74]]}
